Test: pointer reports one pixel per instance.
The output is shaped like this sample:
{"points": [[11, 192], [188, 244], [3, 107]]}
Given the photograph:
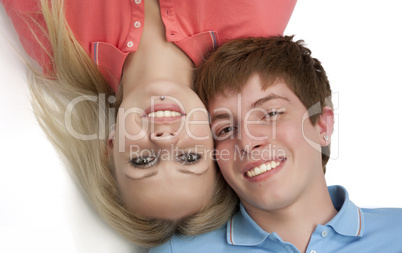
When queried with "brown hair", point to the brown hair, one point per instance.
{"points": [[75, 75], [228, 69]]}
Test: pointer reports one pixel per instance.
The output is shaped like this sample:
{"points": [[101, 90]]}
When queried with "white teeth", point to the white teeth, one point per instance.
{"points": [[262, 168], [159, 114], [167, 114]]}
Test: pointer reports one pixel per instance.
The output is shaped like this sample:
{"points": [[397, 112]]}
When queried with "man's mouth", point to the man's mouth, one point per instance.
{"points": [[263, 168]]}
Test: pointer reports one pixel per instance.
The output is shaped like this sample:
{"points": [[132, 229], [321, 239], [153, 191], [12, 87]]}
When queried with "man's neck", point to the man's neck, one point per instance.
{"points": [[295, 223]]}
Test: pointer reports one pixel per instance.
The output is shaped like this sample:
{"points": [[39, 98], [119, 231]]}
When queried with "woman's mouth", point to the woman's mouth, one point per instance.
{"points": [[164, 114]]}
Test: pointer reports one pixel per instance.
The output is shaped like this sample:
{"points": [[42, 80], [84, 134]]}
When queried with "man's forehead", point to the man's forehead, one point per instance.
{"points": [[222, 100]]}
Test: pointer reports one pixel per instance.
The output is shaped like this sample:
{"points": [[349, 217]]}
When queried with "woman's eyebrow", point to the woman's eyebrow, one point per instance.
{"points": [[272, 96], [182, 170], [187, 171], [143, 177]]}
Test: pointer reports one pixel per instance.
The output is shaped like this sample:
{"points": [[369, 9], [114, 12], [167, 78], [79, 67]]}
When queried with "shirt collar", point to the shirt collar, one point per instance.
{"points": [[242, 229], [110, 61], [350, 219], [199, 45]]}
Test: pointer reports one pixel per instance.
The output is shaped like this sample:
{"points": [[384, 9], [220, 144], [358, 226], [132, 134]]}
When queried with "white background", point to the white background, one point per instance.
{"points": [[358, 43]]}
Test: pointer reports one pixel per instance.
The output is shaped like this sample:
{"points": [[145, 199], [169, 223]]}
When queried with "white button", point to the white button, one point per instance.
{"points": [[137, 1], [137, 24], [313, 251], [130, 44], [324, 233]]}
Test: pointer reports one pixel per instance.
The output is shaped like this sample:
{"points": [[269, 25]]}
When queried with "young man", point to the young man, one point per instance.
{"points": [[272, 119]]}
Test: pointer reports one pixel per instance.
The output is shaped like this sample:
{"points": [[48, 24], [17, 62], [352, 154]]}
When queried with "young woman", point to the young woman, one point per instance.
{"points": [[123, 69]]}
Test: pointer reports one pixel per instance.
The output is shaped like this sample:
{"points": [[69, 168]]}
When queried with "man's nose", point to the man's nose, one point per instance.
{"points": [[252, 138]]}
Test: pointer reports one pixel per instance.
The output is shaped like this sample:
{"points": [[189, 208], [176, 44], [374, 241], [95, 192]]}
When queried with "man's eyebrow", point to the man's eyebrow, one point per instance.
{"points": [[224, 115], [259, 102], [272, 96]]}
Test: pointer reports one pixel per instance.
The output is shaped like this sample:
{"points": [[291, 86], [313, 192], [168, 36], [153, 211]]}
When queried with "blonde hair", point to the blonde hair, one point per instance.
{"points": [[74, 75]]}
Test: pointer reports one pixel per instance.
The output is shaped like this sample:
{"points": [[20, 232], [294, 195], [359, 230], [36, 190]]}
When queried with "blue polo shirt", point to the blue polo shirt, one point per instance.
{"points": [[352, 230]]}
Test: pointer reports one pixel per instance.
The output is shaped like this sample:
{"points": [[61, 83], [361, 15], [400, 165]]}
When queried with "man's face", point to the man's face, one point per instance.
{"points": [[266, 146]]}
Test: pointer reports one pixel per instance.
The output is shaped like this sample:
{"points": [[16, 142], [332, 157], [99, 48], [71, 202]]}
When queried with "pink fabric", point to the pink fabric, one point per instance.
{"points": [[110, 30]]}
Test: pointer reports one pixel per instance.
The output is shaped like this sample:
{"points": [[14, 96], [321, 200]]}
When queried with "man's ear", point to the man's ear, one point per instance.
{"points": [[326, 125]]}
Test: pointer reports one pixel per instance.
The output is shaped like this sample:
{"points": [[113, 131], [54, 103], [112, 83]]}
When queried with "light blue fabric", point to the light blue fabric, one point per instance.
{"points": [[352, 230]]}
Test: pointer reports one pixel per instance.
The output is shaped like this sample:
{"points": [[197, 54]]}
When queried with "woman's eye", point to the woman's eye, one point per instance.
{"points": [[189, 158], [145, 161]]}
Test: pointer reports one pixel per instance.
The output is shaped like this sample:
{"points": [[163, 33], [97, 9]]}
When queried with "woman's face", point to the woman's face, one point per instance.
{"points": [[162, 151]]}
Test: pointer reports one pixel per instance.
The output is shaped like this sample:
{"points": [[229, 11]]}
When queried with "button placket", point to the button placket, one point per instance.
{"points": [[137, 24]]}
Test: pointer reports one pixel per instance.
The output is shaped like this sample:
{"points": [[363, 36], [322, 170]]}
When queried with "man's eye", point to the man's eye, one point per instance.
{"points": [[144, 161], [224, 133], [189, 158], [273, 114], [226, 130]]}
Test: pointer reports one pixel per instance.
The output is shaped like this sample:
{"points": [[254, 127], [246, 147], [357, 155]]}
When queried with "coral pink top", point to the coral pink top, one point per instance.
{"points": [[110, 30]]}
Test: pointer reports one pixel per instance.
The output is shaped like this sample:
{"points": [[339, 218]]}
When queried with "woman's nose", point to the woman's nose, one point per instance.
{"points": [[164, 136]]}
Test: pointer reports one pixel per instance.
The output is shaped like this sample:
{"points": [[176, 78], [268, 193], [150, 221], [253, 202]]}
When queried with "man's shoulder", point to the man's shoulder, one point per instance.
{"points": [[386, 220], [383, 215], [208, 242]]}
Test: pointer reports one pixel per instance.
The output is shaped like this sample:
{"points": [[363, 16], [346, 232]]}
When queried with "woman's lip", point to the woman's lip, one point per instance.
{"points": [[165, 119], [163, 107]]}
